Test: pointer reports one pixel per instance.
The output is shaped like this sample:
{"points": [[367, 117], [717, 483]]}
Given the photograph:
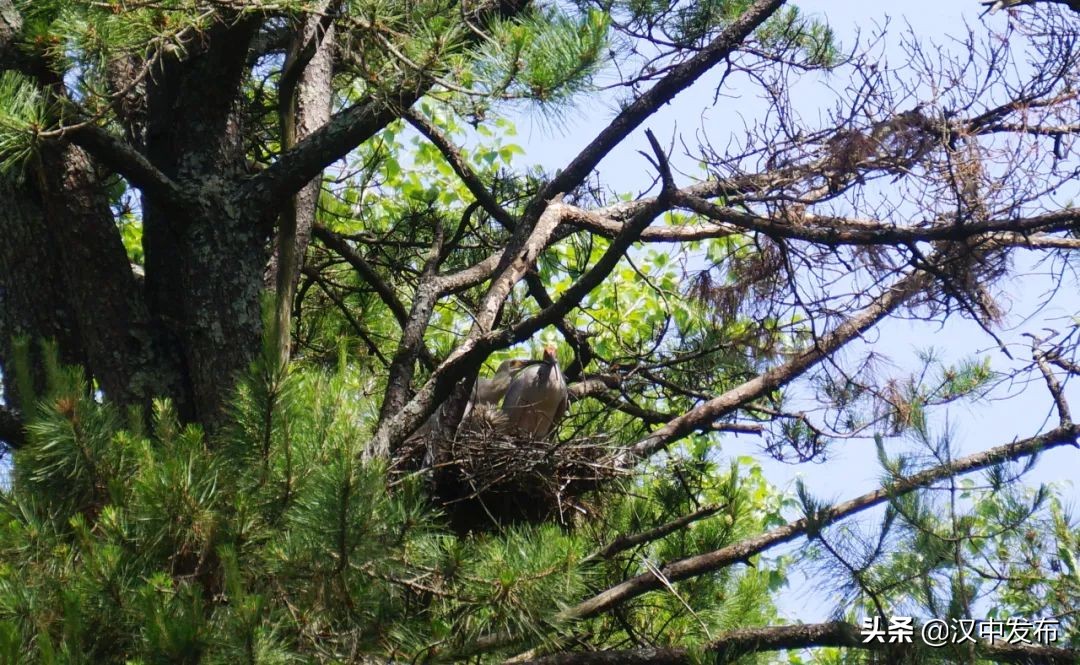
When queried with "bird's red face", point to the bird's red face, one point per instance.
{"points": [[550, 355]]}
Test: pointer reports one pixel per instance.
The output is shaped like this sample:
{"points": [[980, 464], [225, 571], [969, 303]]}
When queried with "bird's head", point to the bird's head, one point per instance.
{"points": [[511, 365], [550, 354]]}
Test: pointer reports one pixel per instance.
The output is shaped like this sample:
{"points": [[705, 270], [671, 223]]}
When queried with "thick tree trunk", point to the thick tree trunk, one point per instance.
{"points": [[204, 266], [122, 350], [65, 277], [33, 300], [64, 272]]}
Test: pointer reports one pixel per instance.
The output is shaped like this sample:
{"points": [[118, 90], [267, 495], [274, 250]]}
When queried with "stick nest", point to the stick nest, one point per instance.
{"points": [[487, 474]]}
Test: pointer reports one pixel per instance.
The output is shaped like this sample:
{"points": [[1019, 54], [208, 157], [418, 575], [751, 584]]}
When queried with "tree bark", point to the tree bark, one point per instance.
{"points": [[33, 300], [121, 348], [305, 92], [204, 261], [10, 25]]}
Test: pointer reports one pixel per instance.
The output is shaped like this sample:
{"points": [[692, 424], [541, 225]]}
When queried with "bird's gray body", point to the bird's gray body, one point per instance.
{"points": [[536, 398], [491, 391], [484, 392]]}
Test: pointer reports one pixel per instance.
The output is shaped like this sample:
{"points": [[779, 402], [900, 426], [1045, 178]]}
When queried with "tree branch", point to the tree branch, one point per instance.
{"points": [[453, 156], [577, 339], [305, 91], [1052, 383], [839, 231], [345, 130], [133, 166], [741, 551], [738, 643], [344, 309], [475, 347], [294, 168], [482, 339], [678, 79], [618, 248], [623, 543], [780, 375], [365, 270]]}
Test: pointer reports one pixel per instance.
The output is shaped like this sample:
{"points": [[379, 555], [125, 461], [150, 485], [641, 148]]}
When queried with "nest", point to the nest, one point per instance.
{"points": [[487, 474]]}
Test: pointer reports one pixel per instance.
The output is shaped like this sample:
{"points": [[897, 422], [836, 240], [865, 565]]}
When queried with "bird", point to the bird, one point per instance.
{"points": [[993, 6], [484, 392], [491, 391], [537, 397]]}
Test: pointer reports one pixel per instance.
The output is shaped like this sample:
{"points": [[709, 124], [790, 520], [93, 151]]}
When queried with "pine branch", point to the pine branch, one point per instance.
{"points": [[778, 376], [731, 646], [1052, 383], [474, 349], [367, 273], [834, 231], [346, 130], [465, 172], [623, 543], [630, 118], [678, 79], [482, 340]]}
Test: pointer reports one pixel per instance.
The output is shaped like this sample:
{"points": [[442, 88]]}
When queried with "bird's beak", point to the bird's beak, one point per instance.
{"points": [[550, 356]]}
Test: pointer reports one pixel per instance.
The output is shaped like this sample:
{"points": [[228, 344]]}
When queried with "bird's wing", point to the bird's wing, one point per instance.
{"points": [[512, 398]]}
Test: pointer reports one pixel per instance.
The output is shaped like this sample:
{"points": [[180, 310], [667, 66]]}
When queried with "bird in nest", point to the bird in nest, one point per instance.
{"points": [[537, 397], [482, 412], [491, 391]]}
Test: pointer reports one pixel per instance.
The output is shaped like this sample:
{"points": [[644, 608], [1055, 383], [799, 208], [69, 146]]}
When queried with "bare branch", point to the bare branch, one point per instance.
{"points": [[470, 352], [782, 374], [1052, 383], [461, 168], [741, 551], [737, 643], [365, 270], [129, 163], [678, 79], [838, 231]]}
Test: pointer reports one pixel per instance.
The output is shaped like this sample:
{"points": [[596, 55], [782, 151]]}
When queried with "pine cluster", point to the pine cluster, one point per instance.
{"points": [[270, 541]]}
